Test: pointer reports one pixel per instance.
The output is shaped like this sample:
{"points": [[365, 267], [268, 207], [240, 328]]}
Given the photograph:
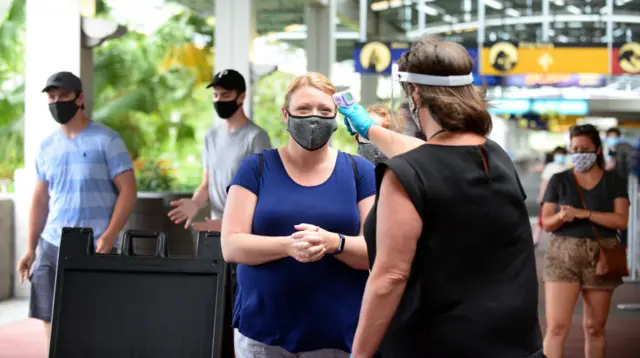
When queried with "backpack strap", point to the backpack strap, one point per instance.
{"points": [[260, 165], [355, 170]]}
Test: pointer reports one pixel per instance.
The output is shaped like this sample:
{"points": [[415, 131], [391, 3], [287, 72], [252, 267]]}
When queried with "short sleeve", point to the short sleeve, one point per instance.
{"points": [[407, 177], [620, 187], [548, 171], [247, 175], [261, 142], [551, 194], [118, 158], [40, 167], [366, 178], [205, 154]]}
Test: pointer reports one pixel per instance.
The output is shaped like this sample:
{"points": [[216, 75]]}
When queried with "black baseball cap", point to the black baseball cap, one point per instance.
{"points": [[229, 80], [65, 80]]}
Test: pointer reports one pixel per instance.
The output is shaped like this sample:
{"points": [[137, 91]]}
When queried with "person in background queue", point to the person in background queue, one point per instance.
{"points": [[225, 146], [557, 164], [382, 116], [85, 178], [293, 224], [572, 255], [619, 153], [449, 239]]}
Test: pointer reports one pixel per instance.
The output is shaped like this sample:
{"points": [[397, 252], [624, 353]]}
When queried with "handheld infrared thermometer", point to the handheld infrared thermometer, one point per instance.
{"points": [[345, 99]]}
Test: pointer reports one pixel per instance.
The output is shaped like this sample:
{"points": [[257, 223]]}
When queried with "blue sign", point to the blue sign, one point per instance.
{"points": [[375, 58], [568, 107]]}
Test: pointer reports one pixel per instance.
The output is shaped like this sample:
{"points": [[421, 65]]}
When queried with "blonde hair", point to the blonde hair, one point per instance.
{"points": [[389, 120], [311, 79]]}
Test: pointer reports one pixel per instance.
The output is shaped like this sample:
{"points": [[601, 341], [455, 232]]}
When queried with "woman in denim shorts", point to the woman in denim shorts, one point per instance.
{"points": [[570, 261]]}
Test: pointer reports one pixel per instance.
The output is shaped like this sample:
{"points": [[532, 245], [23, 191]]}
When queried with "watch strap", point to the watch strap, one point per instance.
{"points": [[340, 244]]}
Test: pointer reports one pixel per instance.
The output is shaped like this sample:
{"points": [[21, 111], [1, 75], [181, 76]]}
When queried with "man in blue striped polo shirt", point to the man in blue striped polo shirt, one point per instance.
{"points": [[84, 179]]}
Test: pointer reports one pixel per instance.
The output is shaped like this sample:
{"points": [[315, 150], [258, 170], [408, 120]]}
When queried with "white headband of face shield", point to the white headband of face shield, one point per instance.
{"points": [[430, 80]]}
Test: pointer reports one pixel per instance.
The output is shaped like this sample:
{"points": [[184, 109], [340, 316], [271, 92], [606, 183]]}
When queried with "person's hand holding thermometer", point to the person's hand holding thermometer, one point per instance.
{"points": [[356, 117]]}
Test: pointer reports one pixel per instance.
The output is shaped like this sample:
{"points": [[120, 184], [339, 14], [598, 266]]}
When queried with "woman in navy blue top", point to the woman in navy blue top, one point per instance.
{"points": [[293, 224]]}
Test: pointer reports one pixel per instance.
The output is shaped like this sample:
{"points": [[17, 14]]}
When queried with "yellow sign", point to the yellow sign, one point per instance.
{"points": [[629, 57], [375, 55], [504, 58]]}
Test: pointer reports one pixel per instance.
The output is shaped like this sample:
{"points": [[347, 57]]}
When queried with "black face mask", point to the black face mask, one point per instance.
{"points": [[226, 109], [311, 132], [371, 153], [62, 112]]}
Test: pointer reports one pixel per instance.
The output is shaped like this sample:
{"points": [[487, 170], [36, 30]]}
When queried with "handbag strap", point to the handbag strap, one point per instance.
{"points": [[584, 206]]}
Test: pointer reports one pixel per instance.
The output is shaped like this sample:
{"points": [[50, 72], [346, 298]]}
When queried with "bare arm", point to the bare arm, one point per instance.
{"points": [[616, 220], [391, 143], [398, 230], [201, 196], [543, 188], [125, 183], [355, 252], [38, 214], [551, 220], [238, 244]]}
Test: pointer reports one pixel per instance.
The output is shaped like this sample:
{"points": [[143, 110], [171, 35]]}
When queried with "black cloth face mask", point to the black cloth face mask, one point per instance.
{"points": [[371, 153], [226, 109], [62, 112], [311, 132]]}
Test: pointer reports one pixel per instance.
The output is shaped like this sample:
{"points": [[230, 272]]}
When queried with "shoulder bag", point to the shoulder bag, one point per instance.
{"points": [[611, 261]]}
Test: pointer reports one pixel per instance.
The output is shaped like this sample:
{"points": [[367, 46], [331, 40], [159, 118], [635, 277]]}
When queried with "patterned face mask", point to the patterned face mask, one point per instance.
{"points": [[584, 161]]}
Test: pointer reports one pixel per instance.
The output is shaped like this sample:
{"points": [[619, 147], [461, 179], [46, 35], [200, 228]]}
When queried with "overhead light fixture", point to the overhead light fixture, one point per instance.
{"points": [[467, 6], [573, 9], [559, 2], [379, 5], [493, 4], [512, 12], [429, 10]]}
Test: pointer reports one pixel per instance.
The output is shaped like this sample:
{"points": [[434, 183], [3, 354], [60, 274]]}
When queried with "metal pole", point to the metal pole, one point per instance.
{"points": [[364, 11], [632, 247], [422, 17], [610, 35], [481, 32], [546, 20]]}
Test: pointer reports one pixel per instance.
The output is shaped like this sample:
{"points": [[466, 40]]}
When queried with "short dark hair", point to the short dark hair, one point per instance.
{"points": [[591, 132], [455, 109], [615, 131], [559, 150]]}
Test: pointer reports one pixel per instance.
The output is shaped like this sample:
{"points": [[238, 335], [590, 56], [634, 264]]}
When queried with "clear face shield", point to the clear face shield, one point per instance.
{"points": [[402, 104]]}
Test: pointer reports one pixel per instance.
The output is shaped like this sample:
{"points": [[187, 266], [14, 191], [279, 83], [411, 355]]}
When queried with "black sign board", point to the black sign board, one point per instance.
{"points": [[124, 305]]}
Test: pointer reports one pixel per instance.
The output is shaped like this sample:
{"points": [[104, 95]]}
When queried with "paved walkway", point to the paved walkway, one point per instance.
{"points": [[24, 338]]}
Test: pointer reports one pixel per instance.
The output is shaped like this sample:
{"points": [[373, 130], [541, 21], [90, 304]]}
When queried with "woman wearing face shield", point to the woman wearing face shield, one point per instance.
{"points": [[383, 117], [449, 239], [292, 223]]}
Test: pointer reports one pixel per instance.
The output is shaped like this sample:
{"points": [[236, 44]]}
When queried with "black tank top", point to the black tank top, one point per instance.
{"points": [[472, 291]]}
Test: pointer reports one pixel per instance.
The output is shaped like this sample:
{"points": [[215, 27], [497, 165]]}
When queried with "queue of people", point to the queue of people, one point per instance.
{"points": [[421, 246]]}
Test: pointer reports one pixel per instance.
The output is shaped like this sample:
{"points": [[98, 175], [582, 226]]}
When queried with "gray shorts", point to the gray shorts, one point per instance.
{"points": [[43, 279], [248, 348]]}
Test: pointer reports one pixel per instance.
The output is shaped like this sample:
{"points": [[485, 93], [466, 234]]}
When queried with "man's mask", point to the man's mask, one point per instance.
{"points": [[62, 112], [226, 109]]}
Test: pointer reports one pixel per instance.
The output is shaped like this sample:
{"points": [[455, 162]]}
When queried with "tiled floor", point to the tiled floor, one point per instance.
{"points": [[24, 338]]}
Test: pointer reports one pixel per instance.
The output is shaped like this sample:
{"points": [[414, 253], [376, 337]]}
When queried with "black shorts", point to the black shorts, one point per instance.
{"points": [[43, 279]]}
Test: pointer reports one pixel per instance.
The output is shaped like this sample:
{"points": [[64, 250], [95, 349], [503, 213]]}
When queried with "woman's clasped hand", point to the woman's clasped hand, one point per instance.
{"points": [[310, 243]]}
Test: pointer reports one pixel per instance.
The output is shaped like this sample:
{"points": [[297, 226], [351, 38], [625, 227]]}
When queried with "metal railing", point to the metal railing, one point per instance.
{"points": [[633, 242]]}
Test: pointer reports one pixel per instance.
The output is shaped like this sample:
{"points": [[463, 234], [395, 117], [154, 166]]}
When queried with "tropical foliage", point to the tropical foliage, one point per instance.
{"points": [[149, 88]]}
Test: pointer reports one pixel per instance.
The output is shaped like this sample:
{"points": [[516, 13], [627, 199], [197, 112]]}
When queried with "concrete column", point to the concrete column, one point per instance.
{"points": [[86, 75], [45, 55], [321, 43], [233, 40]]}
